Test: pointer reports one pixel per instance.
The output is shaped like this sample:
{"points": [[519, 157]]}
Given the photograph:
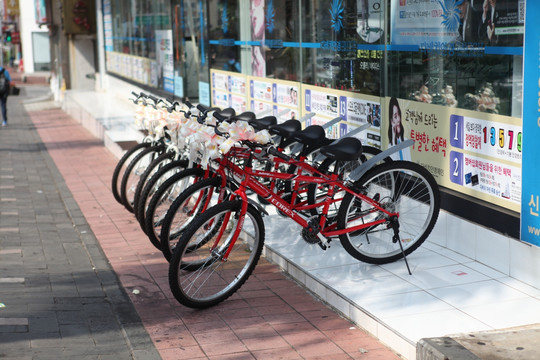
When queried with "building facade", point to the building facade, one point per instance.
{"points": [[448, 74]]}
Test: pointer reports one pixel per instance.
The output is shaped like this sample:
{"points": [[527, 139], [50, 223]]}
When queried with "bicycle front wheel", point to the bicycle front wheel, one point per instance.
{"points": [[192, 202], [121, 166], [401, 187], [203, 275], [164, 197]]}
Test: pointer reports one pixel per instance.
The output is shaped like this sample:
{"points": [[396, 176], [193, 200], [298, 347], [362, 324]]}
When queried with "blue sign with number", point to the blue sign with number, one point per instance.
{"points": [[530, 192]]}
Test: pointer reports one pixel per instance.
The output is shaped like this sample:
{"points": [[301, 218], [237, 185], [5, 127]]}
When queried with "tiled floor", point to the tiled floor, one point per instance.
{"points": [[448, 292]]}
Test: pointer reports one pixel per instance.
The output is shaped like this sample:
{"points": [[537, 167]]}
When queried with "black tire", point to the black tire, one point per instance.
{"points": [[133, 172], [189, 205], [153, 184], [155, 165], [403, 187], [163, 198], [200, 278], [121, 167]]}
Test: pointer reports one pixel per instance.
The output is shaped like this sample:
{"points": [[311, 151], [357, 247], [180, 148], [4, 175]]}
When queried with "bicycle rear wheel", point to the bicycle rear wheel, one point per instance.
{"points": [[152, 185], [190, 204], [155, 165], [317, 193], [164, 197], [200, 276], [121, 166], [133, 173], [402, 187]]}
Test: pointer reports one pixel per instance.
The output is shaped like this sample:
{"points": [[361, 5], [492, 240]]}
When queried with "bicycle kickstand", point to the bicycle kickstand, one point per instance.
{"points": [[395, 238]]}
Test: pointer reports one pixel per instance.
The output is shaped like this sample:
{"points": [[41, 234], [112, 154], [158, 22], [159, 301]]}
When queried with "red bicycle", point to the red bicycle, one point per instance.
{"points": [[383, 216]]}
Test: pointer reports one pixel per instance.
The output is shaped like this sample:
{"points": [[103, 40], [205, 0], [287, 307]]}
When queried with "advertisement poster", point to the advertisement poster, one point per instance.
{"points": [[132, 67], [229, 90], [279, 96], [530, 199], [469, 23], [165, 60], [258, 62], [353, 109], [478, 154]]}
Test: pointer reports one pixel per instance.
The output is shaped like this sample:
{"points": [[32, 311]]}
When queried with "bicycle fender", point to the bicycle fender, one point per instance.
{"points": [[258, 206], [306, 117], [362, 169]]}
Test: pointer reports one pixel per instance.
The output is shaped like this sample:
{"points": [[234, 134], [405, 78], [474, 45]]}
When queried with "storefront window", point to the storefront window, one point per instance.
{"points": [[190, 55], [466, 55], [281, 41], [138, 41], [343, 44], [224, 35]]}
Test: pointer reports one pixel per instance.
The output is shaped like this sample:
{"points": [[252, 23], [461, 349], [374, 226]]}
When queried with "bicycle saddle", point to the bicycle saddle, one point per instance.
{"points": [[310, 135], [285, 129], [263, 123], [349, 148], [246, 116], [227, 113]]}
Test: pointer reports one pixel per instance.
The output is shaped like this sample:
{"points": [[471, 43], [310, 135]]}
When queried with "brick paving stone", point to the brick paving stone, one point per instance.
{"points": [[41, 242]]}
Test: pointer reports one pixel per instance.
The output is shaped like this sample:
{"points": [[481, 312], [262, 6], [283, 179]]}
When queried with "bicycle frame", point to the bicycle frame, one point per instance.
{"points": [[291, 210]]}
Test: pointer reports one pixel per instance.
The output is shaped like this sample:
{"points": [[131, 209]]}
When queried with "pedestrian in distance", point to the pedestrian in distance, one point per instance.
{"points": [[5, 81]]}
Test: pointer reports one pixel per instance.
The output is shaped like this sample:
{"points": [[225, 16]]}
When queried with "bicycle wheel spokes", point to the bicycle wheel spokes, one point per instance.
{"points": [[402, 188], [194, 204], [199, 274]]}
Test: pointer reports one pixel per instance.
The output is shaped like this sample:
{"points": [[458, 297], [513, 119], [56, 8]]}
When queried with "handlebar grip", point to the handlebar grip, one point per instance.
{"points": [[202, 108], [273, 151], [143, 95], [153, 98], [189, 105], [135, 94]]}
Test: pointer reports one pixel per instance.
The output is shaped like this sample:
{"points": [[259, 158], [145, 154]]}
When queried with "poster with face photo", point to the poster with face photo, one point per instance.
{"points": [[466, 22], [258, 62]]}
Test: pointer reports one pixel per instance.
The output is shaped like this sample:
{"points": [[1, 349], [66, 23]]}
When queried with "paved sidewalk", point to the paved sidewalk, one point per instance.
{"points": [[71, 259]]}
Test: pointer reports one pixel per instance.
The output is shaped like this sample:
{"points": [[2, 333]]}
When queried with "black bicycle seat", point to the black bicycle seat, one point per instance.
{"points": [[349, 148], [263, 123], [311, 135], [285, 129], [227, 113], [246, 116]]}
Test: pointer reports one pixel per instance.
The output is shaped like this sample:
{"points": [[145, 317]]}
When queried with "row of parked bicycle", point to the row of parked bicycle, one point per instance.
{"points": [[200, 181]]}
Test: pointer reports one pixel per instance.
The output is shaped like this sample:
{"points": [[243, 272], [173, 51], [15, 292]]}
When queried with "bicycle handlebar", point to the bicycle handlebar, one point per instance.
{"points": [[275, 152]]}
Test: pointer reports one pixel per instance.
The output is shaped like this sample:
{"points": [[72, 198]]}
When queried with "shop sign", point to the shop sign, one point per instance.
{"points": [[354, 110], [12, 7], [79, 16], [41, 13], [463, 23], [530, 206], [474, 153]]}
